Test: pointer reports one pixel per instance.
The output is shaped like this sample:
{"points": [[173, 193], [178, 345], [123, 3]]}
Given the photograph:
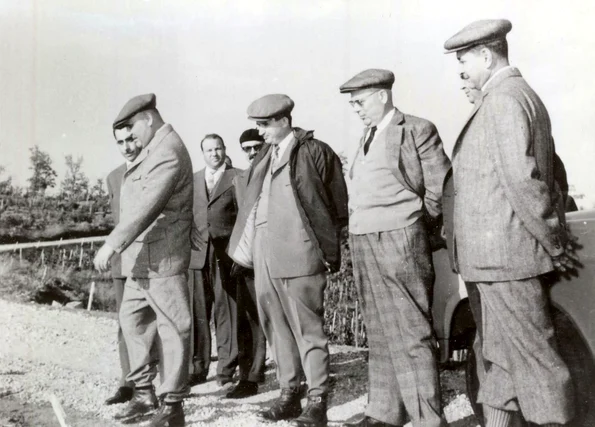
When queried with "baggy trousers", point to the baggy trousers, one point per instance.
{"points": [[122, 349], [291, 313], [215, 290], [158, 306], [524, 370], [394, 276], [251, 339]]}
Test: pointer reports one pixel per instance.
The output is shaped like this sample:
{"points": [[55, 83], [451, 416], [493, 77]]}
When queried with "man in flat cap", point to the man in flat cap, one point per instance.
{"points": [[153, 238], [395, 201], [288, 228], [509, 230], [215, 210]]}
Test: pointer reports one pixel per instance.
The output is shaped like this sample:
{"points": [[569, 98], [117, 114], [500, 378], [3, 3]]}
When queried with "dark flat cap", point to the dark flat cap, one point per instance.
{"points": [[251, 135], [372, 78], [135, 105], [478, 32], [270, 106]]}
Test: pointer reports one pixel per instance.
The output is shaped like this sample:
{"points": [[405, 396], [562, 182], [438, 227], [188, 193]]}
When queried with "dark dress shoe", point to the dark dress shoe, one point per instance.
{"points": [[169, 415], [368, 422], [243, 389], [124, 394], [287, 407], [143, 402], [314, 414], [196, 379]]}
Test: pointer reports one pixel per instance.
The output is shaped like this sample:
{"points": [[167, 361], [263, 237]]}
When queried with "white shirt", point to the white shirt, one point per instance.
{"points": [[215, 173], [283, 145], [494, 75], [383, 123]]}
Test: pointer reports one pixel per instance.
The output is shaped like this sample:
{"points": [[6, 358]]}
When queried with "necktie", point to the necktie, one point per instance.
{"points": [[369, 140], [275, 156], [210, 181]]}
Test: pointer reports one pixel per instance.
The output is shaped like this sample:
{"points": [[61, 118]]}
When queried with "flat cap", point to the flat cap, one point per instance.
{"points": [[270, 106], [135, 105], [478, 32], [372, 78], [251, 135]]}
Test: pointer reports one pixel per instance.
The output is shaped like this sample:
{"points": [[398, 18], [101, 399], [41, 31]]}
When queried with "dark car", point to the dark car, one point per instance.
{"points": [[572, 308]]}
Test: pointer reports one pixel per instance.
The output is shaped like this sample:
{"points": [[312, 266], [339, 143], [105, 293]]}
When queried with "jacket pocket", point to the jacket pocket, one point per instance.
{"points": [[158, 249]]}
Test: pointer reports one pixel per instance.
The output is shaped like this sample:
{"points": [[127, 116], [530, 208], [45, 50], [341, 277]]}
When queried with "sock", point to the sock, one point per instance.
{"points": [[497, 417]]}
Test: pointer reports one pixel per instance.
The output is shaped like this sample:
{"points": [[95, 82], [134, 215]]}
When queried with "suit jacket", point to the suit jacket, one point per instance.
{"points": [[418, 161], [507, 214], [114, 182], [214, 217], [153, 234]]}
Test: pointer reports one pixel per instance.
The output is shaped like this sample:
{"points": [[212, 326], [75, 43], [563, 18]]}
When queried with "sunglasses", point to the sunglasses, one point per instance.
{"points": [[253, 147]]}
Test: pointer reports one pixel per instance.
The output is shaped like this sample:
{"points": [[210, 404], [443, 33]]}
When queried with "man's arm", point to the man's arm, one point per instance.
{"points": [[331, 172], [158, 184], [434, 164], [509, 128]]}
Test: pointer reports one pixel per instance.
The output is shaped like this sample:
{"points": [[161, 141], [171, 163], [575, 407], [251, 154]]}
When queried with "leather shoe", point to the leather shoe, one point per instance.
{"points": [[196, 379], [124, 394], [368, 422], [143, 402], [287, 407], [243, 389], [169, 415], [314, 414]]}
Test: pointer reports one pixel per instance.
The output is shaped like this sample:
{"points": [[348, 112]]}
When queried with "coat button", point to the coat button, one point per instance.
{"points": [[208, 224]]}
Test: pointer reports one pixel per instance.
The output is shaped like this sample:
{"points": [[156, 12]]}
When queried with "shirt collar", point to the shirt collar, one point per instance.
{"points": [[494, 75], [219, 170], [283, 144]]}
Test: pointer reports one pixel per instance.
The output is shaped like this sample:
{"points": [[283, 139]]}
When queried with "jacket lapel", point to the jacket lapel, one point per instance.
{"points": [[200, 187], [394, 139], [511, 72], [286, 155], [354, 156], [223, 184]]}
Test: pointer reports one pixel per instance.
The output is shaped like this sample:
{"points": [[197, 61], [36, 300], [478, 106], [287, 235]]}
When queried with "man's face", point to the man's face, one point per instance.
{"points": [[368, 105], [472, 67], [473, 94], [273, 130], [251, 148], [214, 152], [129, 146]]}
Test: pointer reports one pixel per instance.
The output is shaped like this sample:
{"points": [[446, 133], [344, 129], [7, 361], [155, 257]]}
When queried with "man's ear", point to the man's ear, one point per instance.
{"points": [[149, 118], [488, 57]]}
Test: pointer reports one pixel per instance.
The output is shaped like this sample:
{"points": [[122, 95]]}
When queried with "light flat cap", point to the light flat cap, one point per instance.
{"points": [[478, 32], [372, 78], [270, 106], [135, 105], [251, 135]]}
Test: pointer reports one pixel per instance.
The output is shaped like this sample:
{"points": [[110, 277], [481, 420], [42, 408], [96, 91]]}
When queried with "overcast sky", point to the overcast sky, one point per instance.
{"points": [[68, 66]]}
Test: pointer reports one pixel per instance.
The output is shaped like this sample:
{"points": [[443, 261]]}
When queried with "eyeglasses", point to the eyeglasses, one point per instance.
{"points": [[249, 149], [359, 102]]}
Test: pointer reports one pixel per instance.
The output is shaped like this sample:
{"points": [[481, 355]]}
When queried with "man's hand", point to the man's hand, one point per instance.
{"points": [[196, 241], [568, 260], [102, 258]]}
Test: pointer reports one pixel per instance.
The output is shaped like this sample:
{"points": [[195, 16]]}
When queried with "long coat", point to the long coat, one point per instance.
{"points": [[214, 216], [114, 182], [507, 217], [153, 234]]}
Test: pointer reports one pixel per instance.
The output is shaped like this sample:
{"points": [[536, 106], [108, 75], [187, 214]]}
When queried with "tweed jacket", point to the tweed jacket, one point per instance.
{"points": [[507, 214], [114, 182], [153, 234], [418, 161], [214, 217]]}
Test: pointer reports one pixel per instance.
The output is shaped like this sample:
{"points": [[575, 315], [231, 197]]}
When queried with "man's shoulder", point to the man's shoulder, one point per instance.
{"points": [[117, 173], [415, 122]]}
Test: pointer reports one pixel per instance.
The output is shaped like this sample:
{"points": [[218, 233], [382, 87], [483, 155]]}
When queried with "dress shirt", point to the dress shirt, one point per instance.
{"points": [[215, 175]]}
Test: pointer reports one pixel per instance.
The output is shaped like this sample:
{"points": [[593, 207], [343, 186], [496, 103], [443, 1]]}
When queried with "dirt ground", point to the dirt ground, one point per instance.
{"points": [[72, 355]]}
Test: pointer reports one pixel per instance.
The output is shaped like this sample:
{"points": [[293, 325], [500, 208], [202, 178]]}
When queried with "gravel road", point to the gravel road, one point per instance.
{"points": [[72, 355]]}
